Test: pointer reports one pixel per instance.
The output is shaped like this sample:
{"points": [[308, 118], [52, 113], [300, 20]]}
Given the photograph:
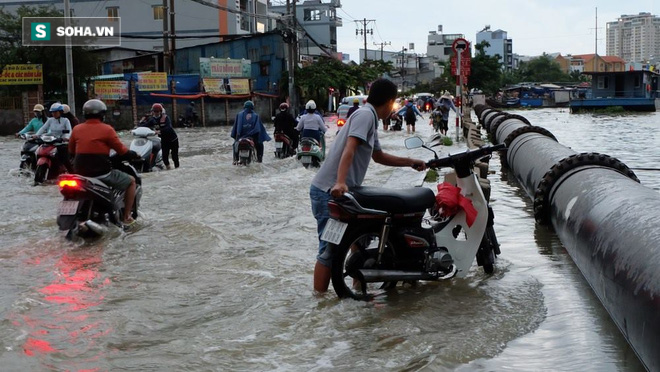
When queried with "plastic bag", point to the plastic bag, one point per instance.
{"points": [[449, 201]]}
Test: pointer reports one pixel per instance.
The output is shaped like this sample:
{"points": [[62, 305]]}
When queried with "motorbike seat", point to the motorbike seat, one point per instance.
{"points": [[397, 201], [309, 140]]}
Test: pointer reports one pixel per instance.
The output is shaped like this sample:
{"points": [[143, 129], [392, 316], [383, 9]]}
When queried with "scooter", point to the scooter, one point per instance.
{"points": [[183, 122], [48, 165], [380, 237], [90, 206], [283, 146], [396, 122], [247, 153], [28, 153], [147, 145], [312, 152]]}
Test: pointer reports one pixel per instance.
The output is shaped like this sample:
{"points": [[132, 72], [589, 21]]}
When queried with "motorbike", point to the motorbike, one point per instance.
{"points": [[396, 122], [28, 153], [183, 122], [48, 165], [90, 206], [147, 145], [247, 153], [283, 146], [312, 152], [380, 236]]}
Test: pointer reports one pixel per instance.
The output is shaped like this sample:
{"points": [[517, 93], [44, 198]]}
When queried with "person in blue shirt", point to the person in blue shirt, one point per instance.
{"points": [[37, 121], [444, 104], [248, 124], [410, 112]]}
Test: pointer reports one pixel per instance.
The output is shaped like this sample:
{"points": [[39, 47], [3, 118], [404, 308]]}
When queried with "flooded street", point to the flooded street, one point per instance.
{"points": [[217, 276]]}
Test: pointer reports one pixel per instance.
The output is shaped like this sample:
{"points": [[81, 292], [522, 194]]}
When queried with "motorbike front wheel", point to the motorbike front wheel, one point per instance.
{"points": [[40, 174], [359, 250]]}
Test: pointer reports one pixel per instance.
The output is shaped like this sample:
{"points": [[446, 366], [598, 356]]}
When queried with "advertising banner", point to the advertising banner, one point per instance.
{"points": [[111, 90], [22, 75], [227, 86], [152, 81], [224, 68]]}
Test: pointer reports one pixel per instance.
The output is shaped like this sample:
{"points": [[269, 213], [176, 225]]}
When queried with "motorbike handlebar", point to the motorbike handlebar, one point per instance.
{"points": [[471, 156]]}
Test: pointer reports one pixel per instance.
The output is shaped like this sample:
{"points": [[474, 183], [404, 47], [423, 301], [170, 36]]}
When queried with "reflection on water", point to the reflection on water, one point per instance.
{"points": [[217, 276]]}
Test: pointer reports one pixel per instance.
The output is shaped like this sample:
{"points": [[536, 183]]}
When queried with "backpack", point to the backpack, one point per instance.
{"points": [[410, 114]]}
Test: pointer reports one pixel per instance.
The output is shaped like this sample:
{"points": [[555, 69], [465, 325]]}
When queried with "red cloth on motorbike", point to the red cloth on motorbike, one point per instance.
{"points": [[449, 198]]}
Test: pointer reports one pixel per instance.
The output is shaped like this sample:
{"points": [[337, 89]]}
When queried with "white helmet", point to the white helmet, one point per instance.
{"points": [[65, 108], [311, 105]]}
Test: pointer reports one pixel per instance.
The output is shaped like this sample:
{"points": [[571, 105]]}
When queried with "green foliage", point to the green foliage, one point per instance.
{"points": [[446, 141], [52, 58], [542, 69], [485, 71], [432, 176], [315, 80]]}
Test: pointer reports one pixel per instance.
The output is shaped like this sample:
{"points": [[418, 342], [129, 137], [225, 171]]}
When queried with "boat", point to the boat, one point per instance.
{"points": [[532, 96], [635, 90]]}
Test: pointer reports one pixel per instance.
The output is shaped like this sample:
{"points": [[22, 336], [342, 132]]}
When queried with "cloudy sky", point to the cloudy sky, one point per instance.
{"points": [[535, 26]]}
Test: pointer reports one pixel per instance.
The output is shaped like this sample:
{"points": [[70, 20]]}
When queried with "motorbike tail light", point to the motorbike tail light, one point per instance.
{"points": [[69, 184], [341, 122], [337, 212], [306, 147]]}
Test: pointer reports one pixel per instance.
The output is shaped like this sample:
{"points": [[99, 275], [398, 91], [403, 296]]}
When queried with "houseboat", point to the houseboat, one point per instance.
{"points": [[632, 90], [536, 95]]}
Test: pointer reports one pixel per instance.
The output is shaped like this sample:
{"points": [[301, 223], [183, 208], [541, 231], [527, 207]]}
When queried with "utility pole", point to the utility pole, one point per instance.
{"points": [[172, 37], [166, 40], [291, 28], [365, 32], [70, 91], [381, 47], [403, 70]]}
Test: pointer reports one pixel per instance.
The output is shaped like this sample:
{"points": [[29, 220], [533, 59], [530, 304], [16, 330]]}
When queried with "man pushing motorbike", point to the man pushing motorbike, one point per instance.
{"points": [[90, 144], [347, 164]]}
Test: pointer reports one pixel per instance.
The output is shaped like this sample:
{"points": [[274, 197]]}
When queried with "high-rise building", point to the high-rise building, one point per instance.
{"points": [[635, 38], [439, 44], [499, 44]]}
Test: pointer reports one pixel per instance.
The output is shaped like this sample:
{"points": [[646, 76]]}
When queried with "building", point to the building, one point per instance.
{"points": [[318, 22], [142, 21], [635, 38], [499, 45], [439, 44], [595, 63]]}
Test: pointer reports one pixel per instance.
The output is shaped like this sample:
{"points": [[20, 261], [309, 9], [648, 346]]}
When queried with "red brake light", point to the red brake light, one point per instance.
{"points": [[341, 122], [69, 183]]}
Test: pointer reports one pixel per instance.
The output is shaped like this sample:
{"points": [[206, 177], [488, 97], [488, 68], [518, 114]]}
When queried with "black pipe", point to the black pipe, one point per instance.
{"points": [[606, 220]]}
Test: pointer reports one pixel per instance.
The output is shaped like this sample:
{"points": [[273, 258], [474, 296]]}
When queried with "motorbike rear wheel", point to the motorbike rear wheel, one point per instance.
{"points": [[40, 174], [359, 250]]}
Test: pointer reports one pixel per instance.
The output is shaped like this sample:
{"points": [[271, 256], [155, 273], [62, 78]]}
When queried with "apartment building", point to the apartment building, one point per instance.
{"points": [[635, 38], [499, 44]]}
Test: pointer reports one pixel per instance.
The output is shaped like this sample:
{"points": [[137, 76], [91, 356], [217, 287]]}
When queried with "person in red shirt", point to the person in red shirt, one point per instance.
{"points": [[90, 144]]}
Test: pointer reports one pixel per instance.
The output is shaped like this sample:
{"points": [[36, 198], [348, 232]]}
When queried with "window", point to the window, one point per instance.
{"points": [[312, 15], [158, 12], [113, 12], [603, 82]]}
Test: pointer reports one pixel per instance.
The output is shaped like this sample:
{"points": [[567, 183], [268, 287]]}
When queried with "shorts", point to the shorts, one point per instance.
{"points": [[321, 212], [116, 179]]}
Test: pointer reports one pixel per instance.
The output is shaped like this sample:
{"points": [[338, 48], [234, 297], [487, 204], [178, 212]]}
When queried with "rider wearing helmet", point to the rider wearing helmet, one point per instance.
{"points": [[160, 122], [310, 124], [286, 123], [356, 105], [37, 121], [248, 124], [66, 112], [90, 144], [60, 127]]}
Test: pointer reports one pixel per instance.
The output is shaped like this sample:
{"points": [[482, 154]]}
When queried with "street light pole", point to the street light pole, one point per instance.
{"points": [[70, 91]]}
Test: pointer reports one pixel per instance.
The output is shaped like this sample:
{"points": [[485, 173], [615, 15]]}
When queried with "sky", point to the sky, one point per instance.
{"points": [[535, 26]]}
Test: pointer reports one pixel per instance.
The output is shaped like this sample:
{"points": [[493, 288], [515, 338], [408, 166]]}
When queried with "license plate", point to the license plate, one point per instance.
{"points": [[244, 153], [306, 159], [67, 208], [279, 145], [334, 231]]}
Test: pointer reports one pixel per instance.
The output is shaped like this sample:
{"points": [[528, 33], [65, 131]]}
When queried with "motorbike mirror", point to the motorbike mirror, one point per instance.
{"points": [[413, 142]]}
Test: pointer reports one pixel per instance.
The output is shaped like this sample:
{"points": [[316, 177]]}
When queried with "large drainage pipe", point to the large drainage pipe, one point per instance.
{"points": [[606, 220]]}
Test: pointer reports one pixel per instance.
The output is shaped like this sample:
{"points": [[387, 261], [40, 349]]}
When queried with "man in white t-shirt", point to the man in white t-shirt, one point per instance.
{"points": [[347, 162]]}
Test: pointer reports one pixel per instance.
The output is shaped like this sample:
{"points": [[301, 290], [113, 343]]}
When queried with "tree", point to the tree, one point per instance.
{"points": [[485, 70], [51, 58], [542, 69]]}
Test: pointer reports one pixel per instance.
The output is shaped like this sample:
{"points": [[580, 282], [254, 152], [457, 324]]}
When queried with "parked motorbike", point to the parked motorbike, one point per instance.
{"points": [[48, 165], [283, 146], [183, 122], [247, 153], [380, 236], [147, 145], [90, 206], [312, 152], [28, 153]]}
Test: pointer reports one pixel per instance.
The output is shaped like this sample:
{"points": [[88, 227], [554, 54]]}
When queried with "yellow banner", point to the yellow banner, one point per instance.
{"points": [[111, 90], [240, 86], [152, 81], [22, 75], [215, 86], [226, 86]]}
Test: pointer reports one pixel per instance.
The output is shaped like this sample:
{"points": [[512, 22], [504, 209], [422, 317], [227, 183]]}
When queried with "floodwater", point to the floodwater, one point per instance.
{"points": [[217, 276]]}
